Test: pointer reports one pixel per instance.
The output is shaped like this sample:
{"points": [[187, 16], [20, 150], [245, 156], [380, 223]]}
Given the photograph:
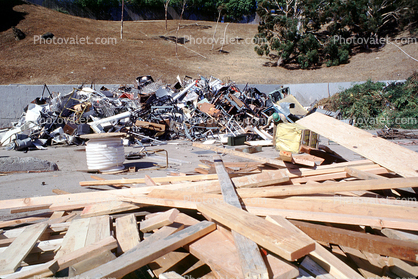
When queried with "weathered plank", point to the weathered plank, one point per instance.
{"points": [[127, 233], [11, 258], [159, 220], [315, 269]]}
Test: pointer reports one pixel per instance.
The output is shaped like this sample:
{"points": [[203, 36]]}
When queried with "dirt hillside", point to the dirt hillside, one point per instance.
{"points": [[143, 52]]}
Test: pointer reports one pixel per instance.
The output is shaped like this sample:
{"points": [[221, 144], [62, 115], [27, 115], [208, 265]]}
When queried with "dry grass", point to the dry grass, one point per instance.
{"points": [[143, 52]]}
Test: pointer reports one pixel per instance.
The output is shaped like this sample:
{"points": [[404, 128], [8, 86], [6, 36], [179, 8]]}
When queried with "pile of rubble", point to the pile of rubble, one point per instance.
{"points": [[196, 109]]}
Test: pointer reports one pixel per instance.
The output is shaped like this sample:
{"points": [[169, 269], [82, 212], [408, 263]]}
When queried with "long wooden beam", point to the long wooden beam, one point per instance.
{"points": [[387, 154], [332, 187], [252, 264], [340, 205], [155, 179], [264, 233], [381, 245]]}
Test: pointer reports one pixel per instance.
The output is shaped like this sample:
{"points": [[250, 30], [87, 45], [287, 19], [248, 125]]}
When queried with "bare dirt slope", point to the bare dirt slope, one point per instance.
{"points": [[143, 52]]}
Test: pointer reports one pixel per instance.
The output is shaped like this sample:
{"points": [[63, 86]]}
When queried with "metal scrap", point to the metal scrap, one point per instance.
{"points": [[150, 111]]}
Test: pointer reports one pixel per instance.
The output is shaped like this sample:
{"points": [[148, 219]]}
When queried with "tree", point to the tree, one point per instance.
{"points": [[167, 2], [312, 32], [237, 9], [99, 8]]}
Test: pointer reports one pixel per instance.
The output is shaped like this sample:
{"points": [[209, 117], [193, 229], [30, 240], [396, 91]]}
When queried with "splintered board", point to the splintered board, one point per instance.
{"points": [[387, 154]]}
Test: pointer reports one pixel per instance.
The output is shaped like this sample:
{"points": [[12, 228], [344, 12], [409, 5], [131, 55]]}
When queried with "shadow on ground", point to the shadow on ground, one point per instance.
{"points": [[9, 17]]}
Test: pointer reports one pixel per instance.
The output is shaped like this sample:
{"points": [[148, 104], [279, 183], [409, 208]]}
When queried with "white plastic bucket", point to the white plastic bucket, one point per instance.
{"points": [[106, 154]]}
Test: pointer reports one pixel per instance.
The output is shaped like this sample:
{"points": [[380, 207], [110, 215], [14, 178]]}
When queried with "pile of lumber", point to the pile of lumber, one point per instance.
{"points": [[246, 220]]}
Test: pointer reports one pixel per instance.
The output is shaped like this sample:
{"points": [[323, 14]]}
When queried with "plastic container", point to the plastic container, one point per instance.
{"points": [[106, 154]]}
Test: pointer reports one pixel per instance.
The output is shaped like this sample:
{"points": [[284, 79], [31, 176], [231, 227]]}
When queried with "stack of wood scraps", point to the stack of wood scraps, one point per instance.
{"points": [[256, 219]]}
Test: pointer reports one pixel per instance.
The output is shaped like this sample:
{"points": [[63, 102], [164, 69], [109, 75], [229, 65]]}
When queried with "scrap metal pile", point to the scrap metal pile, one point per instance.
{"points": [[196, 109]]}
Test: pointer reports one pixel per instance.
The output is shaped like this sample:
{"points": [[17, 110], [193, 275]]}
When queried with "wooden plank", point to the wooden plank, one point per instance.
{"points": [[320, 170], [90, 263], [24, 220], [362, 174], [328, 187], [304, 274], [261, 179], [202, 171], [400, 235], [214, 249], [62, 219], [355, 163], [155, 179], [11, 258], [361, 241], [264, 233], [403, 224], [320, 255], [252, 264], [169, 261], [75, 237], [144, 254], [105, 208], [402, 268], [60, 192], [127, 233], [98, 229], [272, 162], [104, 196], [337, 204], [336, 175], [50, 268], [402, 160], [234, 164], [42, 246], [30, 208], [364, 266], [56, 215], [317, 160], [313, 268], [149, 181], [159, 220]]}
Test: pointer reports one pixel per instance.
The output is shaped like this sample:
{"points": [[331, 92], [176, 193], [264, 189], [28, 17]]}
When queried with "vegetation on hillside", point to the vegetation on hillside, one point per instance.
{"points": [[232, 10], [375, 105], [311, 32]]}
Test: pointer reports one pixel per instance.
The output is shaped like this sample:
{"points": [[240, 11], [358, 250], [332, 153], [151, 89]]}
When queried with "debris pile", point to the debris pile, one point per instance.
{"points": [[196, 109], [260, 219]]}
